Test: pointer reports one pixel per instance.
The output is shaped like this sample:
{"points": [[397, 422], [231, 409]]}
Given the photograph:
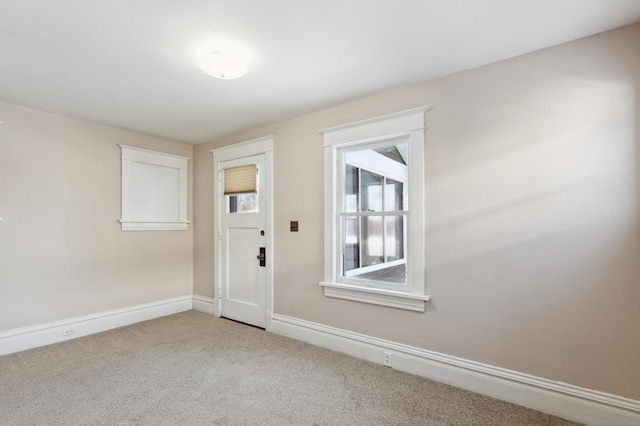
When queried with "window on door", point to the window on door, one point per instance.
{"points": [[241, 189], [243, 203]]}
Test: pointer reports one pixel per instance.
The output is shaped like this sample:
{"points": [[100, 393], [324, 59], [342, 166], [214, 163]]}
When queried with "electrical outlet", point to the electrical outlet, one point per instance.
{"points": [[68, 331], [387, 359]]}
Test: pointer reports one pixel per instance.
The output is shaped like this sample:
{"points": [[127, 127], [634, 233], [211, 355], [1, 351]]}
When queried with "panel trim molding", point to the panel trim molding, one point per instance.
{"points": [[145, 172], [556, 398], [24, 338]]}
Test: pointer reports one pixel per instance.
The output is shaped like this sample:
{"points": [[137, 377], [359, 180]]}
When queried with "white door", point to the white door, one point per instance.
{"points": [[244, 242]]}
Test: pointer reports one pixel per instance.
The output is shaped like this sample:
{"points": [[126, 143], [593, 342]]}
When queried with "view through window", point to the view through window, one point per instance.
{"points": [[373, 212]]}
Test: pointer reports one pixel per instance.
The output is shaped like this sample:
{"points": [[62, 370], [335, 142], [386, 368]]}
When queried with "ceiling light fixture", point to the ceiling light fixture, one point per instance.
{"points": [[226, 66]]}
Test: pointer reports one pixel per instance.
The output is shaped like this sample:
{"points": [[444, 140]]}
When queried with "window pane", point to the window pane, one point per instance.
{"points": [[372, 245], [393, 195], [396, 274], [351, 190], [393, 242], [351, 244], [371, 191], [243, 203]]}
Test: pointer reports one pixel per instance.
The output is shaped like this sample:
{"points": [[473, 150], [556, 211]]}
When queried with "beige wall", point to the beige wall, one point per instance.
{"points": [[62, 253], [533, 200], [533, 258]]}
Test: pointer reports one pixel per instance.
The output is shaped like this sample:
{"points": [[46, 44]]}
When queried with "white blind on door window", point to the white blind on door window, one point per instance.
{"points": [[241, 180]]}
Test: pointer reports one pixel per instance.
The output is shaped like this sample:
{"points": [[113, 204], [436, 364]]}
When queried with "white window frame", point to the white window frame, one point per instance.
{"points": [[135, 217], [380, 170], [410, 124]]}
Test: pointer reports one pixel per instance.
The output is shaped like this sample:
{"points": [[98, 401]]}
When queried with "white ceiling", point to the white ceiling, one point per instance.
{"points": [[132, 63]]}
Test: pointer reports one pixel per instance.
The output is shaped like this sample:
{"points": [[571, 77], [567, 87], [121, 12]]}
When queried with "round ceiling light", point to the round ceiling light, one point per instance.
{"points": [[226, 66]]}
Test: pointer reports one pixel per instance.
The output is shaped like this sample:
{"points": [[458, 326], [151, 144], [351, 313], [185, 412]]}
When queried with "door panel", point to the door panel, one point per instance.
{"points": [[243, 273]]}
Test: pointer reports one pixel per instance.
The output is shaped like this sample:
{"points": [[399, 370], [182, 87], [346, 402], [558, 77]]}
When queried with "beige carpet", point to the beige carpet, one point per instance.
{"points": [[195, 369]]}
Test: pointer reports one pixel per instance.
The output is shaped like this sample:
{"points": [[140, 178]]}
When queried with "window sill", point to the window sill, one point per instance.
{"points": [[129, 225], [376, 296]]}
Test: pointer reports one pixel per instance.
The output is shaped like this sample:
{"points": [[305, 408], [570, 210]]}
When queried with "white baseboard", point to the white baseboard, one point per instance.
{"points": [[30, 337], [205, 304], [560, 399]]}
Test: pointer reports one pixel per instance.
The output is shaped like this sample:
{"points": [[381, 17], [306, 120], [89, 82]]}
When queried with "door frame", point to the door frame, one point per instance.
{"points": [[258, 146]]}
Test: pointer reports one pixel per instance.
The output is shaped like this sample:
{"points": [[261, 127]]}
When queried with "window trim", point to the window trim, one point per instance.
{"points": [[411, 124], [132, 156]]}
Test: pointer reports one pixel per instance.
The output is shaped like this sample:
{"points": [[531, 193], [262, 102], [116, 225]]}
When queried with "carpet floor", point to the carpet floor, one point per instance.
{"points": [[194, 369]]}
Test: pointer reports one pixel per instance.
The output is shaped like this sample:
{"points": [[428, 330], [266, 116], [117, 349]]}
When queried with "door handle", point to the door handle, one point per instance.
{"points": [[262, 257]]}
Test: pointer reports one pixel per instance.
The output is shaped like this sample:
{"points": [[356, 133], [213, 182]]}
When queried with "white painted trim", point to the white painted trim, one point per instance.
{"points": [[373, 128], [143, 155], [204, 304], [20, 339], [128, 225], [560, 399], [376, 296], [244, 149], [217, 307], [269, 323], [134, 215], [410, 125]]}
